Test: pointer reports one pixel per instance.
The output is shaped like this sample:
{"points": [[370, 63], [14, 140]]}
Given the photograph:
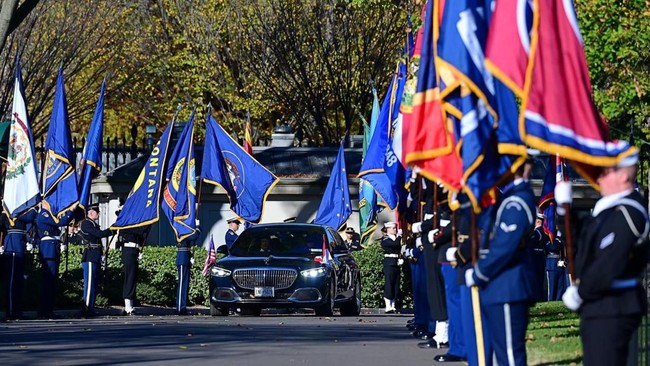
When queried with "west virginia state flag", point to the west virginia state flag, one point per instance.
{"points": [[143, 202], [225, 163], [91, 163], [179, 195], [335, 207], [60, 190], [538, 52], [21, 190]]}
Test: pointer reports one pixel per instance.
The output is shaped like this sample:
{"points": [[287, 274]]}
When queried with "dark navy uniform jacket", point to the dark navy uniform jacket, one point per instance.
{"points": [[504, 270], [554, 250], [135, 235], [16, 237], [611, 257], [49, 230], [92, 236], [391, 247], [231, 236]]}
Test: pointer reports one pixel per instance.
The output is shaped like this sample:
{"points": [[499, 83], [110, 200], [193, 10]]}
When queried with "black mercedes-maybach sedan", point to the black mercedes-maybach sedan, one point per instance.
{"points": [[286, 265]]}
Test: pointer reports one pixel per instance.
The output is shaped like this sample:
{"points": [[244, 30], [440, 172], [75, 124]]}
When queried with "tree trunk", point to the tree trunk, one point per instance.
{"points": [[7, 10]]}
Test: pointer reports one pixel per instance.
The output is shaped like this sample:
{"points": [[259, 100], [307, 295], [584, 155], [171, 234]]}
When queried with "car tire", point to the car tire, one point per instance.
{"points": [[250, 311], [353, 307], [327, 309], [218, 311]]}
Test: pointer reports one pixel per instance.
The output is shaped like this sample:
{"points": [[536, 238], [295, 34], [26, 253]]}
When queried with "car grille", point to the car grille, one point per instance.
{"points": [[279, 278]]}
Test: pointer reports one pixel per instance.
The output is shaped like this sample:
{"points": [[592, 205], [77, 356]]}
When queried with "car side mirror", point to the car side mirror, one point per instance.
{"points": [[222, 249]]}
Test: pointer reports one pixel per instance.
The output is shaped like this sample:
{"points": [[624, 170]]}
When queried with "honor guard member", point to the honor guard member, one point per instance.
{"points": [[15, 245], [131, 241], [555, 268], [504, 275], [538, 242], [391, 244], [184, 263], [611, 259], [91, 257], [231, 234], [352, 240], [50, 249]]}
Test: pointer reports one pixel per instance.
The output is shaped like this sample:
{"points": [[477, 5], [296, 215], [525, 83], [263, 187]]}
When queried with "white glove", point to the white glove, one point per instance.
{"points": [[563, 194], [400, 261], [571, 298], [197, 222], [29, 247], [399, 232], [140, 257], [2, 249], [561, 264], [418, 241], [192, 260], [416, 227], [432, 234], [103, 259], [469, 277], [63, 248], [450, 254]]}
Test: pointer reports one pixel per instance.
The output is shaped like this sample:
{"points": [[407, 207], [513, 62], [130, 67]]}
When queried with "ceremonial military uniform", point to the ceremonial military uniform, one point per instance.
{"points": [[131, 242], [183, 264], [231, 235], [611, 258], [555, 270], [391, 244], [352, 243], [14, 260], [91, 258], [504, 274], [50, 256], [538, 242]]}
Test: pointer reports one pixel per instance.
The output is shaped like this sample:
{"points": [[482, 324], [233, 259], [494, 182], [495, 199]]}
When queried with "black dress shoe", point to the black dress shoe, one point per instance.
{"points": [[182, 312], [432, 344], [427, 336], [410, 321], [448, 358]]}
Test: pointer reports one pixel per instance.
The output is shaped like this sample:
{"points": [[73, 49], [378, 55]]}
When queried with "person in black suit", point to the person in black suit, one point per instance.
{"points": [[612, 254]]}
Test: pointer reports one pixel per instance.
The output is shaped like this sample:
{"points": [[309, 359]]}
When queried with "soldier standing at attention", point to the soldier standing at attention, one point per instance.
{"points": [[502, 274], [538, 242], [612, 254], [13, 258], [184, 263], [91, 257], [50, 249], [131, 241], [555, 270], [231, 234], [391, 244]]}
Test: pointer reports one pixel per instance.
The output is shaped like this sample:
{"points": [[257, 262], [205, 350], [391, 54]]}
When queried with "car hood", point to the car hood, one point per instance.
{"points": [[299, 263]]}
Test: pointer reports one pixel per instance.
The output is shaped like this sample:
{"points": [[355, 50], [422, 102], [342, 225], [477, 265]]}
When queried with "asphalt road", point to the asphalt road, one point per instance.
{"points": [[161, 339]]}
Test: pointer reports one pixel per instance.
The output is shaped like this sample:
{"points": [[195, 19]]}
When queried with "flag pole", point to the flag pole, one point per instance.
{"points": [[567, 225]]}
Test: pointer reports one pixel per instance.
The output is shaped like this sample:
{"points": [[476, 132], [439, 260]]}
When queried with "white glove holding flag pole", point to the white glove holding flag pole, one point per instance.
{"points": [[450, 254], [563, 194], [432, 234], [469, 277], [63, 248], [416, 228], [29, 247], [571, 298]]}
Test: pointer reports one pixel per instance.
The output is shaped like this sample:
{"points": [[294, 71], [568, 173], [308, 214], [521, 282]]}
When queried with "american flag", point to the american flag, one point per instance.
{"points": [[210, 259]]}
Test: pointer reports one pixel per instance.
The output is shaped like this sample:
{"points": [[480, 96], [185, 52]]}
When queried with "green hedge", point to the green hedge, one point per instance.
{"points": [[157, 279]]}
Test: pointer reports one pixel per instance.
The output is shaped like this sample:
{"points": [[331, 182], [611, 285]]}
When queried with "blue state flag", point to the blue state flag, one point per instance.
{"points": [[91, 162], [60, 192], [21, 190], [179, 195], [381, 166], [225, 163], [368, 207], [142, 204], [335, 207]]}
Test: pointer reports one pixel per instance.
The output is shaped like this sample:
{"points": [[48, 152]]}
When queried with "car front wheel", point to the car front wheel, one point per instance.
{"points": [[327, 309], [353, 306], [218, 311]]}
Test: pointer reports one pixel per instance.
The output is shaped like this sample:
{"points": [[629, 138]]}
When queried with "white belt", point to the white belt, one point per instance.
{"points": [[51, 238], [391, 255], [131, 245]]}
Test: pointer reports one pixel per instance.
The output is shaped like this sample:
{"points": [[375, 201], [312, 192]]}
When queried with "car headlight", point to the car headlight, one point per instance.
{"points": [[220, 272], [314, 272]]}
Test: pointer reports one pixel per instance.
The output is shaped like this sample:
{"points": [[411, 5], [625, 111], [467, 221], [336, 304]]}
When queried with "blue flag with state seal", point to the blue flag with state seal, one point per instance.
{"points": [[60, 190], [179, 195], [141, 206], [335, 206], [225, 163], [91, 162]]}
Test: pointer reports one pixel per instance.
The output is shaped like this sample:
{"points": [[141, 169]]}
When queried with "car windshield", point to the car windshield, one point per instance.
{"points": [[281, 240]]}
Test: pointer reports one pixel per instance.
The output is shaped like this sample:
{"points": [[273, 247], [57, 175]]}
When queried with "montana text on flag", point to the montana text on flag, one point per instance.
{"points": [[210, 259], [21, 190], [179, 195], [368, 207], [143, 202], [225, 163], [381, 166], [538, 53], [335, 207], [60, 190], [91, 161], [248, 139]]}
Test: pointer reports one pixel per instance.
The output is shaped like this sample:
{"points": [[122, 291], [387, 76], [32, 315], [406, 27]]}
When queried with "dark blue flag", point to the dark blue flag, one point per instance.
{"points": [[142, 203], [60, 192], [179, 195], [335, 207], [91, 162], [225, 163]]}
